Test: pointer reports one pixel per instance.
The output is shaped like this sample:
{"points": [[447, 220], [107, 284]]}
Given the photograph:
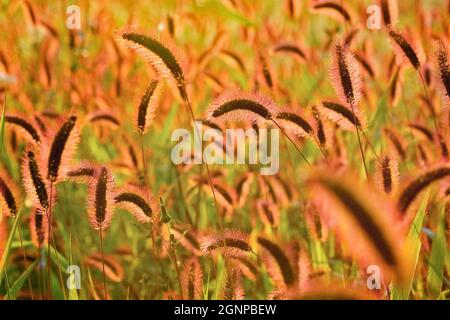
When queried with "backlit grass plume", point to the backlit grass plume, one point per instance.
{"points": [[389, 10], [189, 239], [38, 228], [443, 69], [192, 279], [346, 80], [104, 116], [413, 188], [387, 175], [82, 173], [161, 53], [237, 105], [147, 106], [295, 124], [8, 196], [232, 288], [345, 75], [406, 49], [228, 243], [59, 155], [279, 264], [36, 186], [134, 200], [112, 268], [27, 127], [362, 220], [101, 201], [342, 115], [268, 212], [333, 9]]}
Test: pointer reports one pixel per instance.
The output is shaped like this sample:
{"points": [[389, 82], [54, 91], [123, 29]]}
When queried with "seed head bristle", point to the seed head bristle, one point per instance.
{"points": [[268, 212], [405, 48], [243, 189], [38, 228], [397, 142], [411, 191], [443, 68], [333, 9], [105, 116], [322, 129], [265, 71], [187, 238], [36, 187], [225, 196], [83, 173], [147, 106], [245, 266], [280, 267], [291, 48], [295, 124], [192, 279], [8, 196], [363, 220], [143, 207], [101, 196], [228, 243], [343, 115], [63, 146], [161, 53], [113, 269], [345, 75], [241, 106], [389, 10], [27, 127], [232, 288], [387, 177]]}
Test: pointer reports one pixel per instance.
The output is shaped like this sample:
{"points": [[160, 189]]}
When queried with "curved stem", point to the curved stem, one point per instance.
{"points": [[299, 151], [50, 232], [359, 142], [191, 112], [25, 259], [103, 263]]}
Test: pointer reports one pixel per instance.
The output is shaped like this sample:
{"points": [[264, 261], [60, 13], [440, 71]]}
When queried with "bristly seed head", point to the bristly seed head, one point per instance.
{"points": [[147, 106], [101, 199], [8, 198], [58, 147], [241, 106], [404, 47]]}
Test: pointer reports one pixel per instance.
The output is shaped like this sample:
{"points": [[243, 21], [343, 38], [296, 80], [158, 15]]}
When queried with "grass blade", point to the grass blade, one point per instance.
{"points": [[436, 262], [18, 284], [8, 247], [412, 243]]}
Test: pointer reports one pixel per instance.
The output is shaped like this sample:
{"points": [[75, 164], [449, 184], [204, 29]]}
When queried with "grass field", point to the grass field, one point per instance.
{"points": [[95, 96]]}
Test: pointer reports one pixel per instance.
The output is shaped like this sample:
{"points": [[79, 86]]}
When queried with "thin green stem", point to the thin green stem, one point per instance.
{"points": [[103, 263]]}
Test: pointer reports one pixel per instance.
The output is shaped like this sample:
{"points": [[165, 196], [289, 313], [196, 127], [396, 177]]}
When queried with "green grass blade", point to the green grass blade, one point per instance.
{"points": [[8, 247], [18, 284], [73, 293], [412, 243], [58, 258], [436, 263]]}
